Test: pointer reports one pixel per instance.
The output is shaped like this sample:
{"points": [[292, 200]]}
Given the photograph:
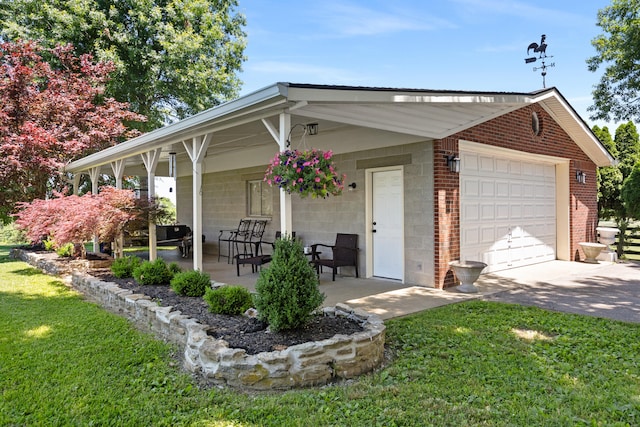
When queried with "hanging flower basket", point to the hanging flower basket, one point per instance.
{"points": [[309, 172]]}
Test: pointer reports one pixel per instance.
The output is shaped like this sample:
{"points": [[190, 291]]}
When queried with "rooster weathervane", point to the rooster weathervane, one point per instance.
{"points": [[541, 49]]}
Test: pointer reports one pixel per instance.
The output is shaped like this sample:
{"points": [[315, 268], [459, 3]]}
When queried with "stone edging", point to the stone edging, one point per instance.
{"points": [[308, 364]]}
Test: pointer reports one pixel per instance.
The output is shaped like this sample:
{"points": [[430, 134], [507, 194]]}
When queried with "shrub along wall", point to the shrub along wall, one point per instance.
{"points": [[313, 363]]}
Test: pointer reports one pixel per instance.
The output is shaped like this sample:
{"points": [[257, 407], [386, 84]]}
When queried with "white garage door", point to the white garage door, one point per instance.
{"points": [[508, 211]]}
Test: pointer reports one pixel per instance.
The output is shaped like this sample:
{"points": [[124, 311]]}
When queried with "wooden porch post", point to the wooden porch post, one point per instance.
{"points": [[94, 173], [118, 171], [286, 222], [150, 159], [196, 150]]}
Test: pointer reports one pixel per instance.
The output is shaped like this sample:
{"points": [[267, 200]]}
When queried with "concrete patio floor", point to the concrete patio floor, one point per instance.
{"points": [[390, 298]]}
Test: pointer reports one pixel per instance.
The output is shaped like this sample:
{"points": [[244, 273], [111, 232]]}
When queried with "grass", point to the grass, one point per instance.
{"points": [[64, 361]]}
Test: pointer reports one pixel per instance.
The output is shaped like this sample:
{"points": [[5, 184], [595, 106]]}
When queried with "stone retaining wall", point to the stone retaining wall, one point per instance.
{"points": [[308, 364]]}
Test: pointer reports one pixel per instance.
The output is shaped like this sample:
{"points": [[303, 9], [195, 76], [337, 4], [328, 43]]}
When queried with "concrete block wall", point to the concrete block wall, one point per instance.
{"points": [[318, 220]]}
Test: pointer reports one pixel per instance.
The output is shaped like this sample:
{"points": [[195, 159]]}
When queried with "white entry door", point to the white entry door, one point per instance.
{"points": [[508, 211], [387, 224]]}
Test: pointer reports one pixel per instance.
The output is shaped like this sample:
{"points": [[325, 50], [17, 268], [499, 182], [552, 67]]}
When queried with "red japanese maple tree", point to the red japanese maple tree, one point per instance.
{"points": [[76, 219], [49, 116]]}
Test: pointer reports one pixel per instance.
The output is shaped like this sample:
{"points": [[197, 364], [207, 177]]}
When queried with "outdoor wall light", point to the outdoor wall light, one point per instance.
{"points": [[581, 177], [454, 163], [312, 128], [172, 165]]}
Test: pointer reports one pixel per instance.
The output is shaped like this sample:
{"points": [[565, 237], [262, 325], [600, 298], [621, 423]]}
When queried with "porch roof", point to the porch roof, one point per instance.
{"points": [[429, 114]]}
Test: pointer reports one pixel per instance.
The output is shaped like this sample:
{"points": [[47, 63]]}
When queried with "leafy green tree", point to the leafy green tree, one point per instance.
{"points": [[609, 178], [173, 58], [611, 204], [631, 192], [617, 95]]}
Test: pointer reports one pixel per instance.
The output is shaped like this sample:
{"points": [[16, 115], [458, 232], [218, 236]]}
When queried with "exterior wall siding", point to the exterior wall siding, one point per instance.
{"points": [[513, 131]]}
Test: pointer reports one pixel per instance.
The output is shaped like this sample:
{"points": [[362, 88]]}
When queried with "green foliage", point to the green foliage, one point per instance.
{"points": [[9, 234], [231, 300], [173, 58], [49, 245], [191, 283], [65, 250], [174, 268], [153, 273], [287, 290], [166, 214], [631, 192], [616, 95], [123, 267]]}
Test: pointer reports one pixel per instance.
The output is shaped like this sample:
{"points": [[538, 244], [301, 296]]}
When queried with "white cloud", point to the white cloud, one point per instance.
{"points": [[344, 19]]}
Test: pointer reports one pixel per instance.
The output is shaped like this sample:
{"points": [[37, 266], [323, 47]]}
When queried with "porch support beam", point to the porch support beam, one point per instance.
{"points": [[117, 167], [272, 130], [196, 150], [286, 222], [150, 160]]}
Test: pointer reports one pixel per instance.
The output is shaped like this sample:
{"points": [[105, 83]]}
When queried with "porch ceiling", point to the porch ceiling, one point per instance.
{"points": [[237, 125]]}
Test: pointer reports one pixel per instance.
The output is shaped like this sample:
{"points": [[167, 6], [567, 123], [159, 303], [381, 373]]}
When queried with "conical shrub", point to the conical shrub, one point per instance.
{"points": [[287, 290]]}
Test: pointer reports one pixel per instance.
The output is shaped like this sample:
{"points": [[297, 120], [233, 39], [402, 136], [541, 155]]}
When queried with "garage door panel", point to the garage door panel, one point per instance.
{"points": [[512, 210]]}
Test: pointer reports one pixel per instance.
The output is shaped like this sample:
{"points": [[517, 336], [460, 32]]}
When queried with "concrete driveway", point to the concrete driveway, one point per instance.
{"points": [[610, 290]]}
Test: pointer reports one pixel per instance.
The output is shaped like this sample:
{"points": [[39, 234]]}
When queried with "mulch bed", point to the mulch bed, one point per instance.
{"points": [[242, 332]]}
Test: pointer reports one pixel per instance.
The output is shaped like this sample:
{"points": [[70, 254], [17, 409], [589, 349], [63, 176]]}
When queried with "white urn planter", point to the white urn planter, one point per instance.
{"points": [[467, 272], [607, 236], [591, 251]]}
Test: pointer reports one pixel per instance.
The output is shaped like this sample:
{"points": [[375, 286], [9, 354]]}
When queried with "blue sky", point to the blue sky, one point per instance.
{"points": [[475, 45]]}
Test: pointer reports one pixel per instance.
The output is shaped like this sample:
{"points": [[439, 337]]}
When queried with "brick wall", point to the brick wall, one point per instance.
{"points": [[512, 131]]}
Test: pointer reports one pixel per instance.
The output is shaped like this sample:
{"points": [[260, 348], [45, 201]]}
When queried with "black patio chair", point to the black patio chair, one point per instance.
{"points": [[344, 254], [249, 250], [229, 236]]}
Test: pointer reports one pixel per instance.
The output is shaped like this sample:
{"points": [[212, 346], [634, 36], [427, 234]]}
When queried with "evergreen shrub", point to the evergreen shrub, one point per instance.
{"points": [[123, 267], [153, 273], [287, 292], [231, 300], [191, 283]]}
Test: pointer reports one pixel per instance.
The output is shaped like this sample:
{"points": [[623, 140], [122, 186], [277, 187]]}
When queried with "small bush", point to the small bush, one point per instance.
{"points": [[123, 267], [191, 283], [9, 234], [174, 268], [153, 273], [287, 292], [49, 245], [228, 300], [66, 250]]}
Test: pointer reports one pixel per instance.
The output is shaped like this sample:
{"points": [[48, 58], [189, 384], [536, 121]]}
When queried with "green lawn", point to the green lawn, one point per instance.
{"points": [[64, 361]]}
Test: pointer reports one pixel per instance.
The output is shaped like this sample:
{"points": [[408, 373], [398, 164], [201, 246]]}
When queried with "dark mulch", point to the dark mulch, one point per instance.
{"points": [[242, 332]]}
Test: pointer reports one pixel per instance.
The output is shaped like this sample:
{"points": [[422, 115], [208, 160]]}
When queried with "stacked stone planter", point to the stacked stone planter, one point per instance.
{"points": [[308, 364]]}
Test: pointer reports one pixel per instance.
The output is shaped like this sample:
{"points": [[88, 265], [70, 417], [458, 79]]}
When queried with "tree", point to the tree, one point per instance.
{"points": [[631, 192], [50, 116], [609, 179], [173, 58], [76, 219], [613, 179], [617, 95]]}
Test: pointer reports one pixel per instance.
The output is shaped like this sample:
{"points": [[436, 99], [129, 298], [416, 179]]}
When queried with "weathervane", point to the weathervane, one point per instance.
{"points": [[542, 50]]}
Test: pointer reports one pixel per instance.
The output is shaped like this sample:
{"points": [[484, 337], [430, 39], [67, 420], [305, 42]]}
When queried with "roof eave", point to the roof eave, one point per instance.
{"points": [[270, 95]]}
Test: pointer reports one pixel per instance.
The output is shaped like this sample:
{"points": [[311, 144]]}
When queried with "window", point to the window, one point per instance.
{"points": [[260, 198]]}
